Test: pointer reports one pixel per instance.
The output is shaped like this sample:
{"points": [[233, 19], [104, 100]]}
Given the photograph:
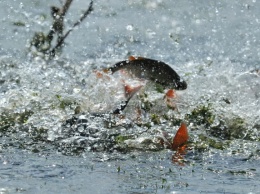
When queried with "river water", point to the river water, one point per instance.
{"points": [[213, 45]]}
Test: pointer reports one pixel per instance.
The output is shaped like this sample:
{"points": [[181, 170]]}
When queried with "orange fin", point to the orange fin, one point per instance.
{"points": [[170, 94], [130, 91], [100, 74], [168, 97], [131, 58], [181, 137]]}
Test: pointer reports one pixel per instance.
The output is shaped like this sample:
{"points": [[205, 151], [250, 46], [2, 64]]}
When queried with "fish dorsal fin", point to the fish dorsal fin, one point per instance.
{"points": [[132, 58], [181, 137]]}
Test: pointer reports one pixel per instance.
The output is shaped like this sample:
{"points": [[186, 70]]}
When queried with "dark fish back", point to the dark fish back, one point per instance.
{"points": [[153, 70]]}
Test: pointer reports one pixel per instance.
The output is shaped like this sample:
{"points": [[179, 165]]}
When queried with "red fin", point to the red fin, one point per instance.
{"points": [[130, 91], [168, 97], [131, 58], [170, 94], [181, 137], [100, 74]]}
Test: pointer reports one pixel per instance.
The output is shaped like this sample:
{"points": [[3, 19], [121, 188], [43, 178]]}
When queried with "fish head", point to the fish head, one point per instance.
{"points": [[181, 85], [177, 85]]}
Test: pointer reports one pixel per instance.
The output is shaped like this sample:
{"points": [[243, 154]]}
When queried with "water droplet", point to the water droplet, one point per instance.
{"points": [[21, 5], [150, 33], [198, 21], [129, 27], [81, 129]]}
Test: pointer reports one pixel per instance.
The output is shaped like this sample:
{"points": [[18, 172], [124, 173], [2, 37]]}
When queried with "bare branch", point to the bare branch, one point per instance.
{"points": [[89, 10], [58, 16], [61, 40], [65, 8]]}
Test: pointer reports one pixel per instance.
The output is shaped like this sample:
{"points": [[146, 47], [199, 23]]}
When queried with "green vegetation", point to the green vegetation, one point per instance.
{"points": [[19, 23], [8, 119], [206, 142], [121, 138], [201, 115], [231, 128], [159, 88], [155, 119], [67, 103], [146, 104]]}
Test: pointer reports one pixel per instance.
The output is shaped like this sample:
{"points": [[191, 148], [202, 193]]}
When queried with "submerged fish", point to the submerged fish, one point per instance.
{"points": [[179, 145], [181, 137], [179, 141], [150, 69]]}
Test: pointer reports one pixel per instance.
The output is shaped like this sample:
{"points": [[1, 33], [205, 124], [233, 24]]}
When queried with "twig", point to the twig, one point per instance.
{"points": [[58, 16], [61, 39], [65, 8], [89, 10]]}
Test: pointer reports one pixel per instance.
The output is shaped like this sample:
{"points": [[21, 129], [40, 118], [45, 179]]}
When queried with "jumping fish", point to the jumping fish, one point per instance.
{"points": [[150, 69]]}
